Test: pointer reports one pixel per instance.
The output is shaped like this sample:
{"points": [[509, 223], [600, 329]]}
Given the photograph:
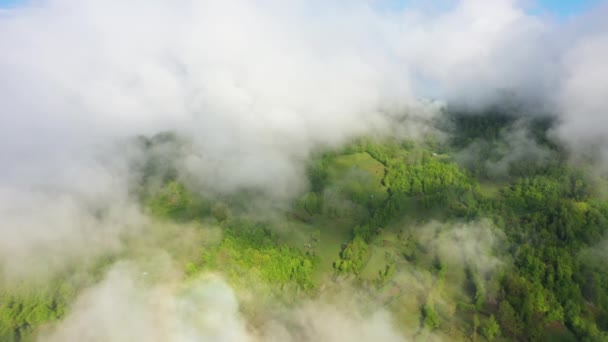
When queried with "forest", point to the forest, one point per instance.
{"points": [[459, 235]]}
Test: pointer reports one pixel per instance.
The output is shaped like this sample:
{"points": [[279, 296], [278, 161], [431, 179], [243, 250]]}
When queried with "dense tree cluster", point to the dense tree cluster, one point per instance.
{"points": [[429, 180], [550, 223], [251, 251], [352, 256], [27, 307]]}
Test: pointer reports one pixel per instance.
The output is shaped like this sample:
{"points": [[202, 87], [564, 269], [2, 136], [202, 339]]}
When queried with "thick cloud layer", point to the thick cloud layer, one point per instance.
{"points": [[126, 306], [582, 95], [258, 85]]}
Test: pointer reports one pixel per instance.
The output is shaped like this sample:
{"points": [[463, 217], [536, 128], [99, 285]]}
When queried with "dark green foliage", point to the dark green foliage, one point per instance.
{"points": [[365, 231], [510, 321], [431, 320], [502, 143], [490, 328], [24, 309], [429, 180], [352, 257], [467, 127], [533, 194], [549, 221], [311, 203], [318, 172]]}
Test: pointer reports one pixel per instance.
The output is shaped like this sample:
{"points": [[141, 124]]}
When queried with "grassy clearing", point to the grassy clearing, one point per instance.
{"points": [[361, 160], [490, 189], [333, 233], [359, 175]]}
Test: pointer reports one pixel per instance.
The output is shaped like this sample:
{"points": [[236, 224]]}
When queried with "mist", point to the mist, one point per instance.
{"points": [[255, 89], [203, 309], [259, 86]]}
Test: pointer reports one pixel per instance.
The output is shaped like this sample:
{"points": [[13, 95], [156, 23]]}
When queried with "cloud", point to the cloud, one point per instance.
{"points": [[256, 87], [515, 147], [260, 85], [582, 94], [127, 305], [475, 245], [316, 321], [84, 215]]}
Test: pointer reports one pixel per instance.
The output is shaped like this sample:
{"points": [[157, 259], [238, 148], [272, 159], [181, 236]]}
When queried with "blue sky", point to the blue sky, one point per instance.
{"points": [[564, 8], [559, 8], [8, 3]]}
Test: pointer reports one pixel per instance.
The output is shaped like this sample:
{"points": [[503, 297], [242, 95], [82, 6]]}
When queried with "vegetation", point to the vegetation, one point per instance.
{"points": [[368, 217], [23, 310], [252, 249]]}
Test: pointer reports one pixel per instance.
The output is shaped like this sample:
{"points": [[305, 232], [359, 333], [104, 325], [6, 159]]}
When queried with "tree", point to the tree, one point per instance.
{"points": [[490, 328], [509, 320], [431, 320]]}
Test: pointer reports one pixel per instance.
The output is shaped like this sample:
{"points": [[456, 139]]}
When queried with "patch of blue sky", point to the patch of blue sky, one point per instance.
{"points": [[560, 9], [9, 3]]}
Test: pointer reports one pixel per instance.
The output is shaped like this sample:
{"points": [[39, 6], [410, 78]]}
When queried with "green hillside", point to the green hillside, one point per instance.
{"points": [[451, 250]]}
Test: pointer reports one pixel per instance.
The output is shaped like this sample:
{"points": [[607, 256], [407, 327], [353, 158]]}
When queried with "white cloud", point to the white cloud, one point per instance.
{"points": [[127, 306], [256, 85]]}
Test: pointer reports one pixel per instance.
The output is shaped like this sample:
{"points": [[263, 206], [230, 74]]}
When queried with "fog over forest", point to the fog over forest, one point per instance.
{"points": [[302, 171]]}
